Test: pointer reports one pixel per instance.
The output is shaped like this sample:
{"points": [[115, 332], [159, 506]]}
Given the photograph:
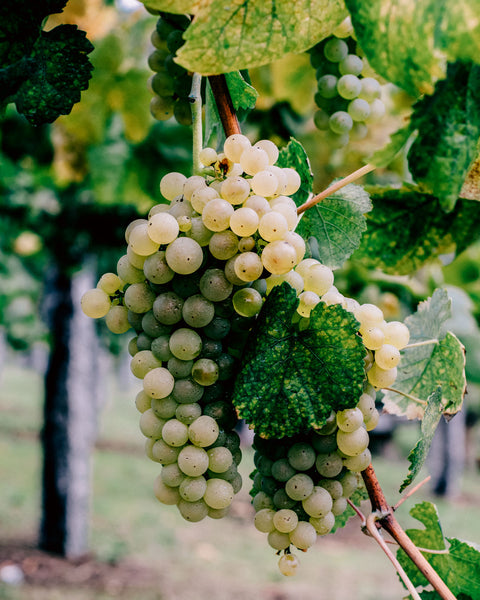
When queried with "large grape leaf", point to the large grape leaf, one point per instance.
{"points": [[337, 223], [439, 361], [291, 380], [409, 43], [398, 140], [431, 418], [448, 124], [407, 229], [458, 567], [249, 33], [293, 155]]}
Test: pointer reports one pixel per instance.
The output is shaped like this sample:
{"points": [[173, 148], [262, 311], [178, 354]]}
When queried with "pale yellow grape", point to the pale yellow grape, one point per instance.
{"points": [[323, 525], [95, 303], [244, 221], [185, 344], [304, 535], [248, 266], [288, 564], [289, 213], [351, 305], [140, 242], [207, 156], [372, 337], [143, 402], [352, 443], [192, 511], [116, 319], [193, 461], [272, 226], [163, 228], [285, 200], [216, 185], [165, 494], [192, 489], [281, 178], [139, 297], [296, 240], [293, 181], [110, 283], [143, 362], [172, 476], [294, 279], [318, 279], [279, 257], [219, 493], [377, 111], [175, 433], [202, 196], [285, 520], [349, 419], [396, 334], [184, 256], [369, 315], [216, 214], [156, 268], [367, 405], [171, 185], [235, 190], [199, 232], [246, 244], [132, 226], [333, 296], [307, 302], [219, 459], [158, 208], [372, 422], [319, 503], [184, 223], [264, 183], [254, 160], [193, 183], [180, 207], [303, 265], [387, 356], [235, 145], [278, 540], [259, 204], [381, 378], [270, 148], [203, 432], [223, 244], [158, 383], [263, 520], [163, 453], [274, 280], [217, 513], [358, 463], [229, 271], [127, 272], [150, 425], [339, 506], [135, 260]]}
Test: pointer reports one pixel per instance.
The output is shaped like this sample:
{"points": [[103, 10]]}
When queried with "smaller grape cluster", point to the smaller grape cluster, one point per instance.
{"points": [[171, 83], [347, 100]]}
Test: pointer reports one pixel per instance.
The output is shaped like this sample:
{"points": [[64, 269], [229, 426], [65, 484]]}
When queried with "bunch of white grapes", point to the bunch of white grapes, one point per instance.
{"points": [[189, 284], [347, 99]]}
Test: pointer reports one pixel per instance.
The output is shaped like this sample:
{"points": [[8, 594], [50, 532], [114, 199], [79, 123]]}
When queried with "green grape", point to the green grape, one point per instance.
{"points": [[161, 109], [349, 86], [187, 413], [192, 511], [182, 111], [160, 348], [139, 297], [282, 500], [205, 371], [320, 118], [349, 419], [203, 432], [264, 520], [335, 50], [329, 465], [224, 244], [247, 302], [143, 403], [352, 443], [215, 286], [303, 536], [358, 463], [327, 86], [186, 391], [323, 525], [193, 461], [299, 487], [116, 319], [150, 425], [192, 489], [339, 506], [184, 255], [144, 342], [285, 520], [278, 540], [164, 454], [301, 456], [95, 303], [185, 344], [164, 408], [143, 362], [340, 122], [197, 311], [179, 368], [219, 459], [158, 383], [219, 493], [167, 308], [171, 475], [351, 65], [164, 493], [359, 109]]}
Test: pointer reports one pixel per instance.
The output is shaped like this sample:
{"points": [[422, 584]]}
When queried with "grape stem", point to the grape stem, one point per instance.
{"points": [[424, 343], [335, 186], [195, 98], [411, 492], [409, 396], [378, 501]]}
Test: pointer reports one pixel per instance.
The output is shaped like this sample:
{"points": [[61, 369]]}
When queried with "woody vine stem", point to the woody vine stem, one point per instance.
{"points": [[383, 513]]}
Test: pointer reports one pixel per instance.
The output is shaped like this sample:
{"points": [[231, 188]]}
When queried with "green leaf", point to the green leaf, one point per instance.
{"points": [[337, 223], [448, 125], [177, 7], [431, 419], [249, 33], [293, 155], [61, 69], [291, 380], [243, 95], [410, 44], [213, 124], [407, 228], [438, 362], [459, 567], [398, 140]]}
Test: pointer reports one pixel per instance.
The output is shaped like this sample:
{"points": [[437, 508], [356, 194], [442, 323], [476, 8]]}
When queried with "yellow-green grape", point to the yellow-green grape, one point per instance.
{"points": [[349, 419], [127, 272], [175, 433], [254, 160], [246, 244], [293, 181], [273, 226], [285, 520], [333, 296], [150, 425], [294, 279], [163, 228], [303, 536], [318, 278], [304, 265], [339, 506], [185, 343], [279, 257], [207, 156], [219, 493], [158, 383], [308, 301], [372, 337], [329, 464], [381, 378], [140, 242], [143, 402], [110, 283], [199, 232], [230, 274], [358, 463], [352, 443], [192, 184], [143, 362], [192, 489], [116, 319], [247, 302], [132, 225], [319, 503], [387, 356], [396, 334], [171, 185], [179, 207], [372, 421], [323, 525], [369, 315], [172, 476], [205, 371], [264, 183], [158, 208], [259, 204], [95, 303], [203, 432], [299, 487], [139, 297], [193, 461], [244, 221], [235, 145], [214, 285], [135, 260], [201, 196], [192, 511], [278, 540], [248, 266], [162, 108], [235, 190], [163, 453], [223, 244], [165, 494], [184, 256], [263, 520], [367, 405], [156, 268], [219, 459], [288, 564], [216, 214]]}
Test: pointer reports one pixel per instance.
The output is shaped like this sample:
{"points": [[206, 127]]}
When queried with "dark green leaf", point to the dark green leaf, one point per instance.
{"points": [[61, 71], [293, 155], [448, 125], [459, 567], [431, 419], [438, 362], [337, 223], [243, 95], [407, 229], [410, 44], [248, 33], [290, 381]]}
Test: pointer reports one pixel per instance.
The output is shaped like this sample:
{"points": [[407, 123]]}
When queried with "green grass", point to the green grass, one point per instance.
{"points": [[208, 560]]}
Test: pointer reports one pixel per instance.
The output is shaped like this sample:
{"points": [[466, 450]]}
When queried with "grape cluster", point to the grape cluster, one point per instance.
{"points": [[171, 83], [347, 100], [188, 287]]}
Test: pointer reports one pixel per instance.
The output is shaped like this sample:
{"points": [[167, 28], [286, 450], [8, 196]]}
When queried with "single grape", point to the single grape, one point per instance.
{"points": [[335, 50], [340, 122]]}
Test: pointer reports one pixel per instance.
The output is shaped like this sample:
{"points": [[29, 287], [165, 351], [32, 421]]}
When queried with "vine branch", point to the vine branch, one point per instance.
{"points": [[378, 501]]}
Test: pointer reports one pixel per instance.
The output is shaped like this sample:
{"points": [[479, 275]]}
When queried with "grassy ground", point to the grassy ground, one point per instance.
{"points": [[141, 549]]}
